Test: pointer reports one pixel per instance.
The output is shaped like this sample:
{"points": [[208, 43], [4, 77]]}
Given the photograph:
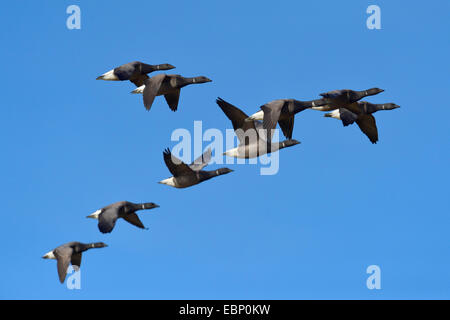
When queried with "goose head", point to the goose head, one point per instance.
{"points": [[390, 106], [201, 79], [164, 66], [221, 171], [289, 143], [373, 91]]}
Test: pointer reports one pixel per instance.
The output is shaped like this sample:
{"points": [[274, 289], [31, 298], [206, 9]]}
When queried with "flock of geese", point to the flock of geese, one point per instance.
{"points": [[254, 133]]}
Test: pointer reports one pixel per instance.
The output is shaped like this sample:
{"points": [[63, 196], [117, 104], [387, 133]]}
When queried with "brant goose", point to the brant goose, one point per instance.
{"points": [[361, 113], [108, 215], [134, 71], [282, 111], [341, 98], [168, 85], [252, 137], [185, 176], [70, 253]]}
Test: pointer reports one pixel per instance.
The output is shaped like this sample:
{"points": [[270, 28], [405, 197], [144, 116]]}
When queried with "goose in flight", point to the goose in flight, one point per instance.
{"points": [[108, 215], [361, 113], [168, 85], [188, 175], [252, 137], [134, 71], [341, 98], [70, 253], [283, 111]]}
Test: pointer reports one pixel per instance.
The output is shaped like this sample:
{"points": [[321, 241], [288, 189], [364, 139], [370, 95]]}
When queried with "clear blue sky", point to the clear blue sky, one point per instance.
{"points": [[71, 145]]}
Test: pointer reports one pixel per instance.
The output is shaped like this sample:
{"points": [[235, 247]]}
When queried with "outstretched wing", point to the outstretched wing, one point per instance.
{"points": [[347, 117], [107, 219], [134, 220], [172, 99], [201, 161], [151, 89], [175, 165], [368, 126], [76, 259], [287, 126], [237, 118], [272, 111], [63, 256]]}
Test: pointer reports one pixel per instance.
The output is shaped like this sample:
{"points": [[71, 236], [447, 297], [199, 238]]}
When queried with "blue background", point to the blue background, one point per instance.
{"points": [[71, 145]]}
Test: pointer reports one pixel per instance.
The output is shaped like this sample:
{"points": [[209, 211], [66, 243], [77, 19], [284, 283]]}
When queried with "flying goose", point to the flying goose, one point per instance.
{"points": [[108, 215], [70, 253], [252, 137], [341, 98], [185, 176], [134, 71], [361, 113], [283, 112], [168, 85]]}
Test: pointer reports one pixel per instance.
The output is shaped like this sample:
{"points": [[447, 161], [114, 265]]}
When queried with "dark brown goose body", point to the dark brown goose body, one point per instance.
{"points": [[70, 253]]}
